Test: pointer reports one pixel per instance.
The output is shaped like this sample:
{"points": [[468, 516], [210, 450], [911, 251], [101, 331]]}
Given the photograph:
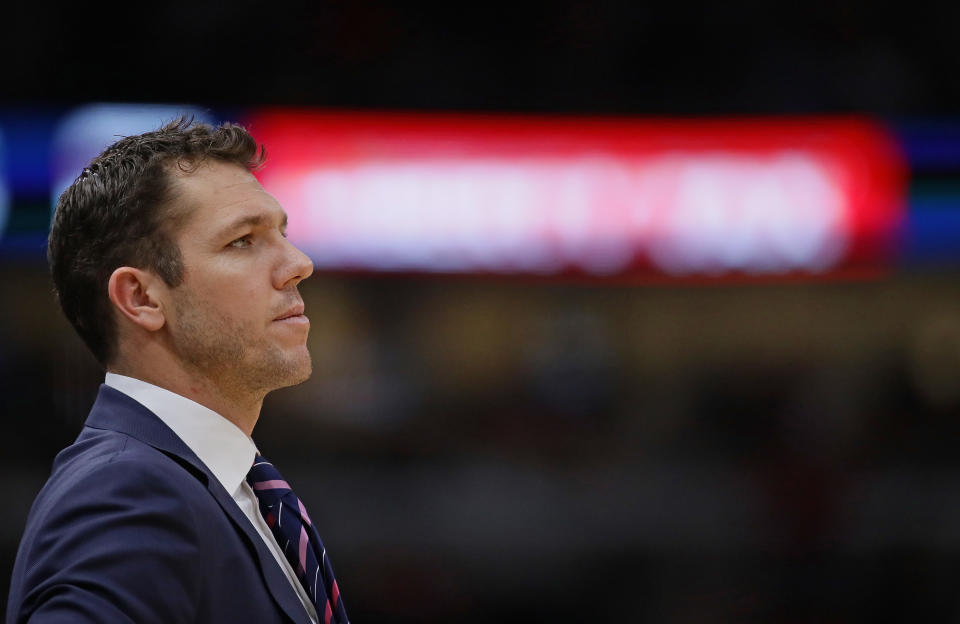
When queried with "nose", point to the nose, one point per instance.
{"points": [[296, 266]]}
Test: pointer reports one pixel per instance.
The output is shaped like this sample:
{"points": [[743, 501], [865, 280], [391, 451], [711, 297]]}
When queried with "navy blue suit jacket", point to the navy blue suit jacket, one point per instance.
{"points": [[132, 527]]}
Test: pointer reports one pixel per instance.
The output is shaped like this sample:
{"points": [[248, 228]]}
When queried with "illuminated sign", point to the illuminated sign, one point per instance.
{"points": [[600, 197]]}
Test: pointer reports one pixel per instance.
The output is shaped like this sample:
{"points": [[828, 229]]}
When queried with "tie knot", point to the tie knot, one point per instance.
{"points": [[265, 479]]}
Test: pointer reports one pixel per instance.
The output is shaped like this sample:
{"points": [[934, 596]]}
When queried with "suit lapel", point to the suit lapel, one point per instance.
{"points": [[274, 578], [114, 410]]}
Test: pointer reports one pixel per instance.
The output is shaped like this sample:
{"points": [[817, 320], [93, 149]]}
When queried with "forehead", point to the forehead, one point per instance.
{"points": [[216, 192]]}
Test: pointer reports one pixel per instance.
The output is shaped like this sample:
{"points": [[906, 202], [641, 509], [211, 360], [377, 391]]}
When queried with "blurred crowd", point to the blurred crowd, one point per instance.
{"points": [[519, 450]]}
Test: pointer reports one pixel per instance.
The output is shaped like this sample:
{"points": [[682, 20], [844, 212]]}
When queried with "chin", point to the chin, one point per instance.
{"points": [[282, 370], [303, 376], [299, 370]]}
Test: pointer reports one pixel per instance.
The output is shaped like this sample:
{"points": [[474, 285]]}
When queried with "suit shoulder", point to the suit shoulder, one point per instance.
{"points": [[113, 450], [113, 532], [116, 467]]}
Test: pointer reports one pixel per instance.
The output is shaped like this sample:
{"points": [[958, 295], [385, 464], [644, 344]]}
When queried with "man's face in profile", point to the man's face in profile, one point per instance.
{"points": [[237, 318]]}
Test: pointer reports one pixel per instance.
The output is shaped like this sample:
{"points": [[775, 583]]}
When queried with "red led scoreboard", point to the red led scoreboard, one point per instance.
{"points": [[560, 196]]}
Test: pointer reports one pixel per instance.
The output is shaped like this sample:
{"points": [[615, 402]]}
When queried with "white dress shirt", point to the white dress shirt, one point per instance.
{"points": [[222, 447]]}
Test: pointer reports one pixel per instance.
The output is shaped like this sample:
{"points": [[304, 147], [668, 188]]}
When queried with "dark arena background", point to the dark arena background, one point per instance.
{"points": [[623, 312]]}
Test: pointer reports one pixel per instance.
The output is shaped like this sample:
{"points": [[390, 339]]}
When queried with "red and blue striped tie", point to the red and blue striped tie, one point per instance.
{"points": [[288, 520]]}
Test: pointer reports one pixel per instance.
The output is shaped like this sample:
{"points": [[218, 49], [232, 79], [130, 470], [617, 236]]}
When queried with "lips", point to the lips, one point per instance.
{"points": [[294, 312]]}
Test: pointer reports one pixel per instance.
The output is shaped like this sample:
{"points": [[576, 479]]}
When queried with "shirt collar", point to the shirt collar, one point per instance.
{"points": [[220, 445]]}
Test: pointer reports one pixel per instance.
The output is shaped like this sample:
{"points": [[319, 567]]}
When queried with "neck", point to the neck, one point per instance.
{"points": [[230, 401]]}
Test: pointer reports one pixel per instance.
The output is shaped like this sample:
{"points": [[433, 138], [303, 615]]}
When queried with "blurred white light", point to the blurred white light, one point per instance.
{"points": [[689, 213], [750, 214]]}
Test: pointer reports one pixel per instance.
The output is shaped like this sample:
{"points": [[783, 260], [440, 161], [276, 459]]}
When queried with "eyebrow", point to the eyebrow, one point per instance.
{"points": [[249, 221]]}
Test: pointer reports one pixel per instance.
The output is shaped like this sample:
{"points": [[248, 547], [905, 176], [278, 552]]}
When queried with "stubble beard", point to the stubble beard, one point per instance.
{"points": [[235, 358]]}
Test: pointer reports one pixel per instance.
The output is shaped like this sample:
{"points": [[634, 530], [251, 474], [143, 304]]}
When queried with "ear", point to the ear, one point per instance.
{"points": [[134, 293]]}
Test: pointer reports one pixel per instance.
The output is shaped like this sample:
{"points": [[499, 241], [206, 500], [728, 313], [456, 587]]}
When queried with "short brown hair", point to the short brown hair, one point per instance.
{"points": [[117, 213]]}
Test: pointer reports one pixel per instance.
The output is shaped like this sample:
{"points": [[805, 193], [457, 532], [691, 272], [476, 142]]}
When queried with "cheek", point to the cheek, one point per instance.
{"points": [[237, 290], [224, 299]]}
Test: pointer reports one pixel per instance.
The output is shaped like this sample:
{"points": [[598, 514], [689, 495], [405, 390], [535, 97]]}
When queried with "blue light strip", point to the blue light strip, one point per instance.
{"points": [[931, 236], [932, 231]]}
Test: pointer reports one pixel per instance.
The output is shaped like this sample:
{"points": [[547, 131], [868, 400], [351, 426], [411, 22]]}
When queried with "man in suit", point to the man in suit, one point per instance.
{"points": [[172, 263]]}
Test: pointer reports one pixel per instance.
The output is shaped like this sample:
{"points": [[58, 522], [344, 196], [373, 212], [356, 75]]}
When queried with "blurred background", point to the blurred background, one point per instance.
{"points": [[623, 312]]}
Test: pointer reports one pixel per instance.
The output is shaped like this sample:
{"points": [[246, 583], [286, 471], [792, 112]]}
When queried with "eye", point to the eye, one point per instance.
{"points": [[243, 241]]}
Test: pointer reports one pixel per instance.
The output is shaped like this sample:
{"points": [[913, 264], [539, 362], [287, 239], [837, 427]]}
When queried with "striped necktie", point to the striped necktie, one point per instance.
{"points": [[291, 526]]}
